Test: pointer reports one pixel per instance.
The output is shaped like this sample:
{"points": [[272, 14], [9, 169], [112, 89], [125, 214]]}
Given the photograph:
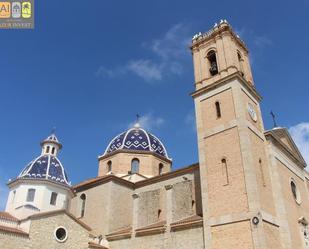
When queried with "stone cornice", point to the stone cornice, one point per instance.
{"points": [[226, 80], [155, 228], [104, 179], [220, 30], [134, 152], [16, 181], [271, 136]]}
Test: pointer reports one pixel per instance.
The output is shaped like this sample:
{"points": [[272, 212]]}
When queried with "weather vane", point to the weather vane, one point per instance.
{"points": [[274, 118]]}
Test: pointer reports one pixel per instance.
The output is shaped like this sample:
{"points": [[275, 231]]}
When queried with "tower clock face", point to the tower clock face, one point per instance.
{"points": [[252, 112]]}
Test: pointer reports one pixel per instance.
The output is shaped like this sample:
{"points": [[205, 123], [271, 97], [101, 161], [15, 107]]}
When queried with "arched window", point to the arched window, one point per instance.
{"points": [[53, 150], [218, 109], [109, 166], [225, 174], [295, 192], [53, 198], [262, 172], [83, 205], [13, 196], [159, 213], [30, 194], [240, 61], [211, 56], [161, 168], [135, 166], [47, 149]]}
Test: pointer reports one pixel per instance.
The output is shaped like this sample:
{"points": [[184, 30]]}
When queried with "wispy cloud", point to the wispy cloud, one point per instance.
{"points": [[149, 122], [300, 135], [146, 69], [251, 37], [172, 44], [168, 55], [190, 120], [262, 41]]}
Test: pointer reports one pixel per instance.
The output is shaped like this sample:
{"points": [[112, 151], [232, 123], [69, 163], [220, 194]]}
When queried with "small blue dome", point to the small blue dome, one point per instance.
{"points": [[45, 167], [137, 139]]}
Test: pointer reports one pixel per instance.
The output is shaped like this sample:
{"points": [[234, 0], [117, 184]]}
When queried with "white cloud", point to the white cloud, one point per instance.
{"points": [[146, 69], [262, 41], [250, 37], [149, 122], [168, 55], [300, 135], [173, 44]]}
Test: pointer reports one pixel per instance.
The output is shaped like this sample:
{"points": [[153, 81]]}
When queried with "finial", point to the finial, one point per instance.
{"points": [[274, 118], [137, 125], [53, 130]]}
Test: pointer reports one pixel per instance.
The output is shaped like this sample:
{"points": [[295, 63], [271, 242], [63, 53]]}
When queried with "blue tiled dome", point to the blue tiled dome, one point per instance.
{"points": [[45, 167], [138, 139]]}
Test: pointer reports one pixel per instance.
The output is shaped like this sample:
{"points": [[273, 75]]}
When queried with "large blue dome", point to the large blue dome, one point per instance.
{"points": [[137, 139], [45, 167]]}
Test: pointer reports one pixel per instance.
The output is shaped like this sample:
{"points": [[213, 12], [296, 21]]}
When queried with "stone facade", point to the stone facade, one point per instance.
{"points": [[250, 188]]}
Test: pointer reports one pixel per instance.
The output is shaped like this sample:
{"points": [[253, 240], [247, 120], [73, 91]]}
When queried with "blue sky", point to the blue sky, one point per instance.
{"points": [[88, 68]]}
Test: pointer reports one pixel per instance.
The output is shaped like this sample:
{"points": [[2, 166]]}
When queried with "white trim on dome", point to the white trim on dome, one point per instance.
{"points": [[148, 139], [30, 167], [112, 142], [47, 169], [63, 173], [166, 155], [149, 144]]}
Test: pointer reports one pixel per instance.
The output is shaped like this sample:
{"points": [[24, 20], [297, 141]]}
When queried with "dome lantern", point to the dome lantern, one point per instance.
{"points": [[51, 145]]}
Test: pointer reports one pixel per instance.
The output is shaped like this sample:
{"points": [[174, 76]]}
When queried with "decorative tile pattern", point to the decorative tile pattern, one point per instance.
{"points": [[38, 168], [137, 139]]}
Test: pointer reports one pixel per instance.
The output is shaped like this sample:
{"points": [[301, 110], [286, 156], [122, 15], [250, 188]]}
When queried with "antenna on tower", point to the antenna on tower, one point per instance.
{"points": [[274, 118]]}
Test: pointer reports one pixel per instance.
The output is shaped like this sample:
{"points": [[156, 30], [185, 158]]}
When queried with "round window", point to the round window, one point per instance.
{"points": [[295, 191], [61, 234]]}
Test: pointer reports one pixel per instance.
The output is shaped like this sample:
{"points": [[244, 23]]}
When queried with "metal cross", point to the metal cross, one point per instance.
{"points": [[53, 130], [137, 118], [274, 118]]}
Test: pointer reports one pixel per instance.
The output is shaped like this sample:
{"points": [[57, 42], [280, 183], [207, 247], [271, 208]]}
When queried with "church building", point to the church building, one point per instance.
{"points": [[249, 190]]}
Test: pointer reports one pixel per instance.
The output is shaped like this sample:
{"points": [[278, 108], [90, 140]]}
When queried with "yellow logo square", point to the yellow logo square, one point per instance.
{"points": [[26, 10], [5, 9]]}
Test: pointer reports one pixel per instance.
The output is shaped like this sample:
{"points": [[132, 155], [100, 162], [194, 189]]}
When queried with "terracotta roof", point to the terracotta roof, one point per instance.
{"points": [[99, 180], [94, 245], [194, 220], [7, 216], [13, 231], [52, 213]]}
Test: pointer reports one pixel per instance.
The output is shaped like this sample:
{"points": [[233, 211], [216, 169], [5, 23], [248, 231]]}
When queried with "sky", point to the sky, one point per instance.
{"points": [[89, 67]]}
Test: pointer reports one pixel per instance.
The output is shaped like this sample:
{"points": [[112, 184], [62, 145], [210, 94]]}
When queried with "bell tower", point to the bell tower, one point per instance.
{"points": [[238, 207]]}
